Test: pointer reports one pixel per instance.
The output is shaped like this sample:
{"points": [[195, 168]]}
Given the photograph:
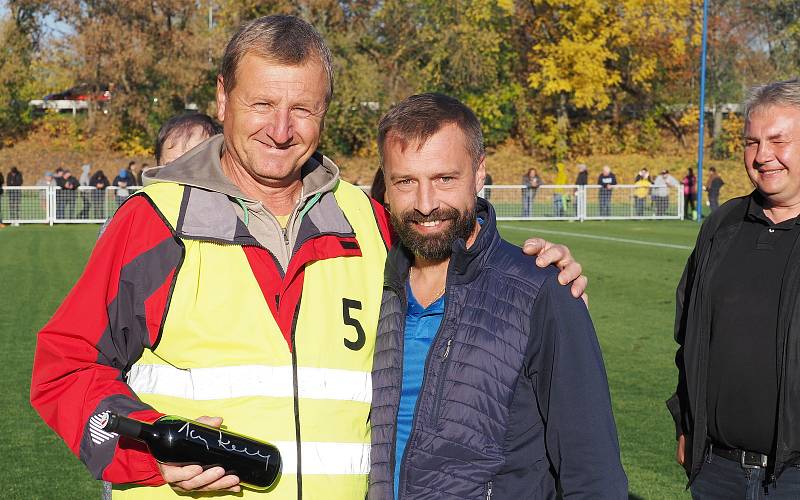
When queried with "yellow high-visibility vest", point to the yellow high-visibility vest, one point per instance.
{"points": [[222, 353]]}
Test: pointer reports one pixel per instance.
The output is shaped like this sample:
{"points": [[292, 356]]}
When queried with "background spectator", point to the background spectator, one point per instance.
{"points": [[100, 182], [139, 180], [560, 194], [14, 179], [713, 187], [132, 168], [181, 133], [121, 182], [530, 182], [689, 182], [71, 185], [84, 180], [487, 181], [606, 180], [45, 181], [642, 191], [59, 179], [661, 190], [581, 179], [583, 175]]}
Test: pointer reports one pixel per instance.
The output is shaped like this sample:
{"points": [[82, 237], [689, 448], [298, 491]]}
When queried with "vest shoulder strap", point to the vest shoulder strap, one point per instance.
{"points": [[168, 197]]}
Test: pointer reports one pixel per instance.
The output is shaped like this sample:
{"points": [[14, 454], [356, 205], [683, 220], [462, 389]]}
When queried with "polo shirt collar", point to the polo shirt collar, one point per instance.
{"points": [[755, 213]]}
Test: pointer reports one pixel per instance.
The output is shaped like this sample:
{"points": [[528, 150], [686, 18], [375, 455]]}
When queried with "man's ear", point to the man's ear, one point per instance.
{"points": [[480, 175], [222, 99]]}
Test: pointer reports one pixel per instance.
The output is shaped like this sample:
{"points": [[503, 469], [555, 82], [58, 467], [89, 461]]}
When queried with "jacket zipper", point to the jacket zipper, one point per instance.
{"points": [[425, 374], [489, 490], [437, 397], [295, 382], [393, 449]]}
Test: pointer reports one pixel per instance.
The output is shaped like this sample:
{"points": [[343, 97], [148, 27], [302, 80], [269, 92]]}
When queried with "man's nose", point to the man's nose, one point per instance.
{"points": [[281, 130], [427, 200], [764, 153]]}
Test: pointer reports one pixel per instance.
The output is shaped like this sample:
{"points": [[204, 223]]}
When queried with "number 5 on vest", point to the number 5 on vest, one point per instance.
{"points": [[348, 304]]}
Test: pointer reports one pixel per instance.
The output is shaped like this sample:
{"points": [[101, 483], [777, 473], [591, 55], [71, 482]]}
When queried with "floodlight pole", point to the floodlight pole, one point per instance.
{"points": [[699, 180]]}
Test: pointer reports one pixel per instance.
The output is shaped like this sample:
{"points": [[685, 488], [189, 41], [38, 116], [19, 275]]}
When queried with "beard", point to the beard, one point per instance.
{"points": [[439, 246]]}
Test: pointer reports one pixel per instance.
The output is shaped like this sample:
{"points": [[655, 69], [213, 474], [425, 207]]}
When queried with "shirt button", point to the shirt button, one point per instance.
{"points": [[771, 230]]}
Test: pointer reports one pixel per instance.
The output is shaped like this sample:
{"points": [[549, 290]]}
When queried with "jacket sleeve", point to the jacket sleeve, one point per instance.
{"points": [[111, 315], [568, 376], [678, 404]]}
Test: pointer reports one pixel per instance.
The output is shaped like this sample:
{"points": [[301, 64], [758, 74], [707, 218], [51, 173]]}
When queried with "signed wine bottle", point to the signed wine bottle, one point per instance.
{"points": [[180, 441]]}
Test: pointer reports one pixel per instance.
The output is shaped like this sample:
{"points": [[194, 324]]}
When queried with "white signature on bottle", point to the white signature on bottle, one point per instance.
{"points": [[223, 443], [191, 434], [228, 446]]}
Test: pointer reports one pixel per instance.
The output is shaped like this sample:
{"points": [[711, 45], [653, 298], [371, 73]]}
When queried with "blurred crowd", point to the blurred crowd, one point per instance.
{"points": [[91, 195]]}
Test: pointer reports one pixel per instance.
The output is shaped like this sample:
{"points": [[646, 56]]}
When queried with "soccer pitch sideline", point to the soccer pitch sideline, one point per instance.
{"points": [[633, 268]]}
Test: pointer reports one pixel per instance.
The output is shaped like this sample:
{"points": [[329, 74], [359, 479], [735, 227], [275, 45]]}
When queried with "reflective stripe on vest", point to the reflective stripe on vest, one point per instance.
{"points": [[221, 353], [224, 382]]}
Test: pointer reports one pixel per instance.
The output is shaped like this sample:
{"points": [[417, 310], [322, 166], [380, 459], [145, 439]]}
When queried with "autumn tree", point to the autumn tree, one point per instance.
{"points": [[19, 41], [592, 62], [155, 56]]}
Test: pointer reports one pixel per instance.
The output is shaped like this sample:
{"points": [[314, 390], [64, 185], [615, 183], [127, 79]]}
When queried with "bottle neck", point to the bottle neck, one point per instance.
{"points": [[129, 427]]}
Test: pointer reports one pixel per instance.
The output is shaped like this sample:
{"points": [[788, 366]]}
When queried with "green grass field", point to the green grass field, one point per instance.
{"points": [[633, 268]]}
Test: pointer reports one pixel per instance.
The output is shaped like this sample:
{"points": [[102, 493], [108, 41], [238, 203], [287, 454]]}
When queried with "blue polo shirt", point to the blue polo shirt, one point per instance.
{"points": [[421, 326]]}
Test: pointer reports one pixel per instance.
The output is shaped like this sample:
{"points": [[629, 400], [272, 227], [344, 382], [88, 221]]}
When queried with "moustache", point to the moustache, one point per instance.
{"points": [[438, 214]]}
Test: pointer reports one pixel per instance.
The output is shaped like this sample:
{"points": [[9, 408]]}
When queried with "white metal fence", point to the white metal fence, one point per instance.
{"points": [[571, 202], [53, 205]]}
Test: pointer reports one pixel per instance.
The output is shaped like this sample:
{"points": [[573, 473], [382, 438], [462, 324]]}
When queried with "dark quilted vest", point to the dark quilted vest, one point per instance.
{"points": [[458, 442]]}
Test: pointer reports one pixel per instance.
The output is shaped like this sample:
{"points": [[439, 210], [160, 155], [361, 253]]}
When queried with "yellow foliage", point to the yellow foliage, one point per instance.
{"points": [[506, 5], [690, 116], [729, 143], [133, 145], [586, 48]]}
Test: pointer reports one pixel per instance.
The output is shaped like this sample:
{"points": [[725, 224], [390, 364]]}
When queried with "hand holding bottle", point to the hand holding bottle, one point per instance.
{"points": [[194, 478], [186, 447]]}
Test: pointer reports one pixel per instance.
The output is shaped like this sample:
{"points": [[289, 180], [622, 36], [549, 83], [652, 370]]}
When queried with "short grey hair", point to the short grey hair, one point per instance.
{"points": [[417, 118], [785, 93], [284, 39]]}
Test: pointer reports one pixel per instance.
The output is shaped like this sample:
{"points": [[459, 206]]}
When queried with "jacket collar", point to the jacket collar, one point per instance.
{"points": [[465, 263], [208, 211], [201, 168]]}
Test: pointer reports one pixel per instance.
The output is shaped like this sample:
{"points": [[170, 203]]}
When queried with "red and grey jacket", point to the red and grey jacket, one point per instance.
{"points": [[181, 310]]}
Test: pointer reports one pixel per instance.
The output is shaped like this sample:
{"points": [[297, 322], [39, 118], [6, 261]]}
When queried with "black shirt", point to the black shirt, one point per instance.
{"points": [[607, 180], [743, 364]]}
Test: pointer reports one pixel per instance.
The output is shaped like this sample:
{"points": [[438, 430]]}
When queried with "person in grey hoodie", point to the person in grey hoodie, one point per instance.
{"points": [[84, 193]]}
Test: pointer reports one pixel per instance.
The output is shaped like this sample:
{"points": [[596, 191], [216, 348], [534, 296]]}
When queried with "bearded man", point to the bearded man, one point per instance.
{"points": [[488, 381]]}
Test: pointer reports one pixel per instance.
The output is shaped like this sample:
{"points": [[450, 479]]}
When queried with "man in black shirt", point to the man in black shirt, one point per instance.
{"points": [[14, 179], [607, 180], [60, 193], [70, 190], [737, 405]]}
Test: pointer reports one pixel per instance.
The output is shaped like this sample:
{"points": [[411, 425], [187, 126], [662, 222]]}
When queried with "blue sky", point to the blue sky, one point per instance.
{"points": [[52, 25]]}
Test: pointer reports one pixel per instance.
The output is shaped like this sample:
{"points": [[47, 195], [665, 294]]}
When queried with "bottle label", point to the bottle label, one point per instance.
{"points": [[96, 425]]}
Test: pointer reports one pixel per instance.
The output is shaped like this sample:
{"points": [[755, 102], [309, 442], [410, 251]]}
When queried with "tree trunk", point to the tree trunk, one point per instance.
{"points": [[717, 130]]}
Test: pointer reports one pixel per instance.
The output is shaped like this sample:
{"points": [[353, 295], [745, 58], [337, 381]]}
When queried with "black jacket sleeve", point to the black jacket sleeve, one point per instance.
{"points": [[678, 404], [570, 382]]}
